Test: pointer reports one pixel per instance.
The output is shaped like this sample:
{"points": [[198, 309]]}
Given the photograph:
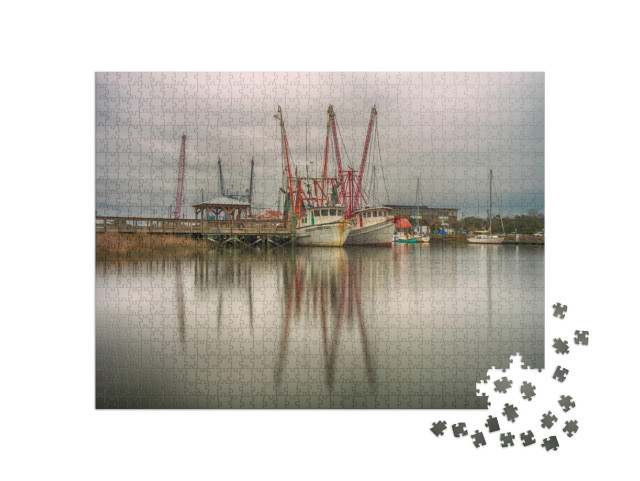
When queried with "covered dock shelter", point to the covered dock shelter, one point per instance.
{"points": [[222, 208]]}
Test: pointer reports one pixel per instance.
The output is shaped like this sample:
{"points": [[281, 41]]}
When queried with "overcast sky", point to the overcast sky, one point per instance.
{"points": [[448, 129]]}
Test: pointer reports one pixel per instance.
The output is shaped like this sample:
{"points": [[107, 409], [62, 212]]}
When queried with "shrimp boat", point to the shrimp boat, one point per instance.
{"points": [[371, 226], [322, 226], [318, 217], [486, 237]]}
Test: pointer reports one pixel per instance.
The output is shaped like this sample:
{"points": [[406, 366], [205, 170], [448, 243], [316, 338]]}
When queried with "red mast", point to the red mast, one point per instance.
{"points": [[326, 155], [300, 199], [332, 119], [374, 113], [286, 152], [181, 165]]}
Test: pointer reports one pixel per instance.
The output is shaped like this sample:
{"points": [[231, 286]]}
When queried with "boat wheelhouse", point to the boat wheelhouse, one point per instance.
{"points": [[322, 226]]}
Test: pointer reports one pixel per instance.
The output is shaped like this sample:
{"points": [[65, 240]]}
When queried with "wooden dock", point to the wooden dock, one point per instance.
{"points": [[244, 231]]}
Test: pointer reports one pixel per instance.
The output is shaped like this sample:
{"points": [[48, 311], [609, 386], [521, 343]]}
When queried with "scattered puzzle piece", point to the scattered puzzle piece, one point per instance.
{"points": [[582, 337], [439, 428], [550, 443], [561, 347], [492, 424], [548, 420], [511, 412], [560, 374], [459, 430], [566, 402], [527, 438], [507, 439], [559, 310], [502, 385], [570, 427], [528, 390], [478, 439]]}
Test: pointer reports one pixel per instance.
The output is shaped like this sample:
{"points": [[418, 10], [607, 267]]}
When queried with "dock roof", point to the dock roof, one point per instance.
{"points": [[222, 201]]}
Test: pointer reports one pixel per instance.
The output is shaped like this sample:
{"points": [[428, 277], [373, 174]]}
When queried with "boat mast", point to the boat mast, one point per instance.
{"points": [[415, 213], [286, 151], [490, 194]]}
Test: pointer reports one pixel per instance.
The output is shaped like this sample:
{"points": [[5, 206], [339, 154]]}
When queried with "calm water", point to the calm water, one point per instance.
{"points": [[409, 326]]}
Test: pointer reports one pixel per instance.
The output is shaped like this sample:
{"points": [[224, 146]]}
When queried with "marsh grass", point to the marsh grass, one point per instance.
{"points": [[113, 244]]}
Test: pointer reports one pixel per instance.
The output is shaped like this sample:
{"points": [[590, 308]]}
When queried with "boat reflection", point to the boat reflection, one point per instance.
{"points": [[328, 281]]}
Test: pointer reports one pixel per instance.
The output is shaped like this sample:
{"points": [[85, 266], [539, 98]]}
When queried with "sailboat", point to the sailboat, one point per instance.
{"points": [[486, 237], [421, 237]]}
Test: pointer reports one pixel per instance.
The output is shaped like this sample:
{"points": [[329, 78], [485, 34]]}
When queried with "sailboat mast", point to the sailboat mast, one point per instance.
{"points": [[490, 196], [415, 213]]}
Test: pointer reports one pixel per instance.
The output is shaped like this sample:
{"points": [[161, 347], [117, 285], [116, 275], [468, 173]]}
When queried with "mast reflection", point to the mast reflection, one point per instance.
{"points": [[328, 281]]}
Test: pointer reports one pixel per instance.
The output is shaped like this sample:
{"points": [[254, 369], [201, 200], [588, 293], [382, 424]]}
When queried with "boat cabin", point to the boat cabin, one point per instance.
{"points": [[321, 215], [369, 216]]}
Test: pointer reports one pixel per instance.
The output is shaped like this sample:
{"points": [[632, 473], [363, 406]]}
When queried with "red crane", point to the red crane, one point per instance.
{"points": [[181, 163]]}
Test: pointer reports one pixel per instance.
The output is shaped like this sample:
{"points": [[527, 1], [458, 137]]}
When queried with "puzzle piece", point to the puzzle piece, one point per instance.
{"points": [[478, 439], [548, 420], [439, 428], [483, 399], [511, 412], [459, 430], [492, 424], [582, 337], [528, 390], [550, 443], [560, 374], [502, 385], [507, 439], [527, 438], [567, 403], [570, 427], [559, 310], [561, 347]]}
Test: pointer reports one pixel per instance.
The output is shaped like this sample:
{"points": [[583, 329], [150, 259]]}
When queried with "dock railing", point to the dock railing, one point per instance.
{"points": [[151, 225]]}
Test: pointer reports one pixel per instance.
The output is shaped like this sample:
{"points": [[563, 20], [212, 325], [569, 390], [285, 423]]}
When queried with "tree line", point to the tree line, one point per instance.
{"points": [[530, 223]]}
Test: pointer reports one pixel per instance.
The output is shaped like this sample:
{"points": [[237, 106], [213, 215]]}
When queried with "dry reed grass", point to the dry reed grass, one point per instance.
{"points": [[112, 244]]}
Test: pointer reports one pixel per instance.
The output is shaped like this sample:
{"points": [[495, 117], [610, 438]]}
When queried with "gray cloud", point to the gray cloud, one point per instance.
{"points": [[447, 129]]}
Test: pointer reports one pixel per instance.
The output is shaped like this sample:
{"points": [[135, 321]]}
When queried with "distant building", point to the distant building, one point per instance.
{"points": [[432, 215]]}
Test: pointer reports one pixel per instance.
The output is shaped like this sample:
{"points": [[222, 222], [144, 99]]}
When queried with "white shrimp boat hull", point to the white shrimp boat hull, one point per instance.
{"points": [[374, 234], [326, 235]]}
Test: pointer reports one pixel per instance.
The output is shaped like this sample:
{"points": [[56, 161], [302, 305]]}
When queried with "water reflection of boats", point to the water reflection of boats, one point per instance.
{"points": [[332, 283]]}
